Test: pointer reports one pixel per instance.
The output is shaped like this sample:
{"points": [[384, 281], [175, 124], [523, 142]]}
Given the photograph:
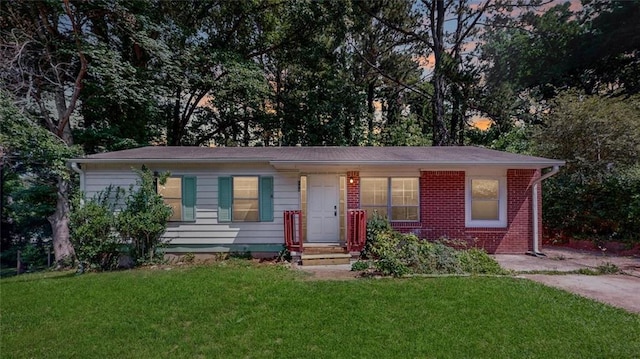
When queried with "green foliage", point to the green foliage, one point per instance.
{"points": [[397, 254], [406, 132], [360, 265], [101, 234], [596, 194], [602, 269], [93, 235], [604, 132], [603, 207], [376, 226], [32, 159], [477, 261], [188, 257], [33, 255], [144, 218]]}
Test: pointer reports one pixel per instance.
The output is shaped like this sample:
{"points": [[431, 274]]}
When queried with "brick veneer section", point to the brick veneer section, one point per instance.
{"points": [[442, 211], [353, 190]]}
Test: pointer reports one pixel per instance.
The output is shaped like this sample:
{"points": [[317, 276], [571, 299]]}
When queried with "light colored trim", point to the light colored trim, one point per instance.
{"points": [[78, 170], [170, 160], [502, 204], [535, 207], [223, 248], [355, 164], [421, 164]]}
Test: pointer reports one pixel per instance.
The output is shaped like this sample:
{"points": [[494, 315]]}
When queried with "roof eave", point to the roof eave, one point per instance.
{"points": [[166, 160], [438, 164]]}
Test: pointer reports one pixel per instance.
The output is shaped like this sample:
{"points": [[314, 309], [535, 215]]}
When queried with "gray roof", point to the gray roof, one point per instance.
{"points": [[453, 155]]}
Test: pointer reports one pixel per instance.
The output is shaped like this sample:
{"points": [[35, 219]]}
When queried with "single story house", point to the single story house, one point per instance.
{"points": [[241, 198]]}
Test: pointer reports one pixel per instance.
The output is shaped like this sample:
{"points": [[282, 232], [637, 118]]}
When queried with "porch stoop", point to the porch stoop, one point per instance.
{"points": [[324, 255]]}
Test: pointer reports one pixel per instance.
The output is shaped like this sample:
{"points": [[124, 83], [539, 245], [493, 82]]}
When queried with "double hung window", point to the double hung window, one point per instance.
{"points": [[396, 198], [486, 202], [245, 199], [180, 194]]}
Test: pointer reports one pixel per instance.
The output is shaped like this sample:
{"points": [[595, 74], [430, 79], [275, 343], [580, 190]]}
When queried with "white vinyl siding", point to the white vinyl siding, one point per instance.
{"points": [[206, 230]]}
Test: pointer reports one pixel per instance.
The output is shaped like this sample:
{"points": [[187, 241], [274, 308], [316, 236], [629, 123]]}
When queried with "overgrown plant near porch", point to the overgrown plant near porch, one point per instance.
{"points": [[396, 254]]}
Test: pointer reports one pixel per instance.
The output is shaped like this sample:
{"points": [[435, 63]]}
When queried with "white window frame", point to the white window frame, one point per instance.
{"points": [[501, 222]]}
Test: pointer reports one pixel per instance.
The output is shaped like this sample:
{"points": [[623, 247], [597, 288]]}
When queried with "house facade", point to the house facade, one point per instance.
{"points": [[237, 199]]}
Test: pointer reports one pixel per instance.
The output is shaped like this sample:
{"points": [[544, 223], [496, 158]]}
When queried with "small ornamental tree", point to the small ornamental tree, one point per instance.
{"points": [[93, 235], [144, 219]]}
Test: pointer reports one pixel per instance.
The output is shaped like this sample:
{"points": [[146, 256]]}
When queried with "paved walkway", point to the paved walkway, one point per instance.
{"points": [[620, 290], [567, 260]]}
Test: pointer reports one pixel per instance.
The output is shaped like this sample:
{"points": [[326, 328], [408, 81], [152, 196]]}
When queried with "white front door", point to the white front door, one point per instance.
{"points": [[323, 221]]}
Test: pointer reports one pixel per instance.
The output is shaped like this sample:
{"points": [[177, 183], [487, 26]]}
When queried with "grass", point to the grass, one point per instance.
{"points": [[235, 310]]}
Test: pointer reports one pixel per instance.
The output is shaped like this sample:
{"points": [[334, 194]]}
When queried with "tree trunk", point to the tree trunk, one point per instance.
{"points": [[440, 132], [370, 107], [62, 247]]}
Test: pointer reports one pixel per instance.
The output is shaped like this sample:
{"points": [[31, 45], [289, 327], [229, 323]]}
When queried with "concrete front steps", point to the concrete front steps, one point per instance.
{"points": [[324, 254]]}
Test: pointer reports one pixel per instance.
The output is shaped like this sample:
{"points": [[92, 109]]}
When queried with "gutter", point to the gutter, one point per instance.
{"points": [[535, 209]]}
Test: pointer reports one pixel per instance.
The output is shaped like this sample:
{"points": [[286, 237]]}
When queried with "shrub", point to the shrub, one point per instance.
{"points": [[92, 230], [399, 254], [477, 261], [605, 207], [360, 266], [144, 218], [376, 225]]}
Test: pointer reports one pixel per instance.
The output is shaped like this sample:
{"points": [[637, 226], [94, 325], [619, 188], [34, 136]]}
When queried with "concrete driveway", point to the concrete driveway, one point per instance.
{"points": [[620, 290]]}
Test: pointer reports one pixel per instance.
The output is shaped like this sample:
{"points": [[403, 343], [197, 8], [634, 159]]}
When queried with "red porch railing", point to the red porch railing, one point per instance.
{"points": [[293, 230], [356, 229]]}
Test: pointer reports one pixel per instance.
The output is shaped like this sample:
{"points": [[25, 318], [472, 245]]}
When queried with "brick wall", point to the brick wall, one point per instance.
{"points": [[353, 190], [442, 211]]}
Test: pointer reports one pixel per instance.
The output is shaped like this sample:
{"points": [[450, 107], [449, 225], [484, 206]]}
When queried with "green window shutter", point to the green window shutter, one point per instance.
{"points": [[189, 198], [225, 198], [266, 199]]}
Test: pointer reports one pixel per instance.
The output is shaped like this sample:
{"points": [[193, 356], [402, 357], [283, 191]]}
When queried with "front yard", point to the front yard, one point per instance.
{"points": [[235, 309]]}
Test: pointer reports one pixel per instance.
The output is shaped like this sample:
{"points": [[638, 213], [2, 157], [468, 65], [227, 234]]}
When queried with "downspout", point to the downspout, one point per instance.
{"points": [[76, 168], [535, 209]]}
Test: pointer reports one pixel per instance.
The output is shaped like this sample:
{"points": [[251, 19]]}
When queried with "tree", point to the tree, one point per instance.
{"points": [[604, 132], [386, 66], [33, 161], [529, 58], [119, 107], [595, 196], [454, 74], [50, 49]]}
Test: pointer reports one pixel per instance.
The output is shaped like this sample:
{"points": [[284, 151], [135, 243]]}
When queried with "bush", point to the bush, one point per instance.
{"points": [[399, 254], [603, 207], [144, 219], [100, 235], [376, 226], [360, 266], [477, 261], [92, 230]]}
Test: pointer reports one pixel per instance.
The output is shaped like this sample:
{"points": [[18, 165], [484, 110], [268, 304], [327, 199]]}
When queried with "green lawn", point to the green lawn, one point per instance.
{"points": [[235, 310]]}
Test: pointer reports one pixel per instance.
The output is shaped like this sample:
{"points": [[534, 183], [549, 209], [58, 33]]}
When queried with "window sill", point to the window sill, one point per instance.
{"points": [[486, 224]]}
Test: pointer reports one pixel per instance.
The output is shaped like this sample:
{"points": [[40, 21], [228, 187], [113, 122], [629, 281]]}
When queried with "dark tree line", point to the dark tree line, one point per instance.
{"points": [[111, 74]]}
